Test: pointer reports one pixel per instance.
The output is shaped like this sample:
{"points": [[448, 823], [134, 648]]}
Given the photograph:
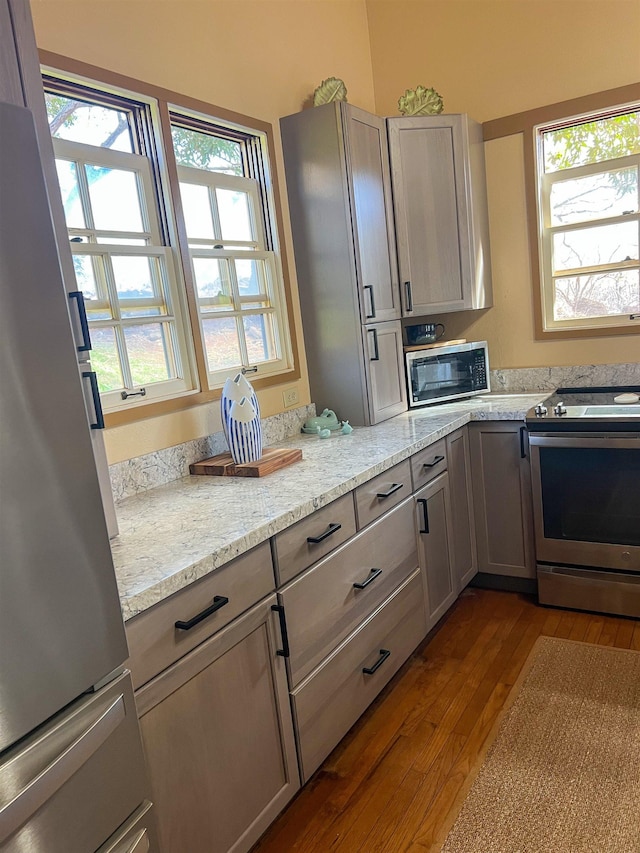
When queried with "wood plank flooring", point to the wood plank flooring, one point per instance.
{"points": [[389, 785]]}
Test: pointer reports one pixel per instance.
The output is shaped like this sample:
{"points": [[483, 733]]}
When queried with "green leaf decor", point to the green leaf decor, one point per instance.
{"points": [[420, 102], [331, 89]]}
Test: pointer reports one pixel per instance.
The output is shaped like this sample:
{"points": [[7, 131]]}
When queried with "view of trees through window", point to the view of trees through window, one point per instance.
{"points": [[590, 207], [119, 210]]}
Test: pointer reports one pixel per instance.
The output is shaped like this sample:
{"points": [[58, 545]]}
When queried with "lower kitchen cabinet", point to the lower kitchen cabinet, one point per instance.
{"points": [[501, 484], [218, 737], [463, 543], [330, 700], [435, 533]]}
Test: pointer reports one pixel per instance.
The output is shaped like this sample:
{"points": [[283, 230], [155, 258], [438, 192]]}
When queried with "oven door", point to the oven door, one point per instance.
{"points": [[586, 499]]}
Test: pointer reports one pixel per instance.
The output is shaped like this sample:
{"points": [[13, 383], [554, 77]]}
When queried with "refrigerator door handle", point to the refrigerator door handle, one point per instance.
{"points": [[42, 787], [95, 396], [139, 844], [85, 346]]}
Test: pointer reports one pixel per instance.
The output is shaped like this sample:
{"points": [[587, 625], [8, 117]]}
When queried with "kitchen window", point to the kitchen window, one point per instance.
{"points": [[235, 270], [589, 220], [172, 221]]}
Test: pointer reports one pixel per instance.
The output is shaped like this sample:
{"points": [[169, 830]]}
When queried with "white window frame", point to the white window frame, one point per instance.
{"points": [[170, 314], [546, 231], [152, 141], [272, 299]]}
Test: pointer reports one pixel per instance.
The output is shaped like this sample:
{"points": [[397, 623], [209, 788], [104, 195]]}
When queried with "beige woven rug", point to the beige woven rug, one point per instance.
{"points": [[563, 772]]}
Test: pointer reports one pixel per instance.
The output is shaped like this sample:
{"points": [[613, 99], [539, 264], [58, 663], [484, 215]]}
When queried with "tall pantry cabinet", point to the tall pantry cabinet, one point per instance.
{"points": [[338, 183]]}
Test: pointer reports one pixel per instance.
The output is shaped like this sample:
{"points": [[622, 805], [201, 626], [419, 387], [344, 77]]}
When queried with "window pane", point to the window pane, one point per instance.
{"points": [[105, 359], [591, 142], [114, 198], [212, 282], [221, 343], [149, 350], [600, 196], [197, 211], [233, 209], [589, 247], [259, 336], [205, 151], [68, 180], [608, 294], [134, 277], [89, 123], [83, 266], [250, 276], [122, 241]]}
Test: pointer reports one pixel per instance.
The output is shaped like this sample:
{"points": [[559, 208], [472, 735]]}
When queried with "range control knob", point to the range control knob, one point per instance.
{"points": [[540, 410], [560, 409]]}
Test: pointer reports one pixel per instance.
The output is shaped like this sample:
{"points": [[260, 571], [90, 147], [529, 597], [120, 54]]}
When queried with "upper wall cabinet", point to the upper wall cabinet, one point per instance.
{"points": [[339, 188], [440, 205]]}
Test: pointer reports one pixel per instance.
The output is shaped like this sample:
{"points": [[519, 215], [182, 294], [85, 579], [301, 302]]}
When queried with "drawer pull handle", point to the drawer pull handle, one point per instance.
{"points": [[425, 515], [315, 540], [218, 602], [375, 573], [384, 654], [284, 651], [433, 464], [394, 488]]}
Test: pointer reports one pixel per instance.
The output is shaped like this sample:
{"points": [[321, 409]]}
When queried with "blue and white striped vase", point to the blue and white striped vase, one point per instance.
{"points": [[245, 432], [240, 414]]}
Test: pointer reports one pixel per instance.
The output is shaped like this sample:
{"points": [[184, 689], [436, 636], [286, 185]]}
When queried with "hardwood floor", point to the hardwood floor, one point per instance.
{"points": [[389, 785]]}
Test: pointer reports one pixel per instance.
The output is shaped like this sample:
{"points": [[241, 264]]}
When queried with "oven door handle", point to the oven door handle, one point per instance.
{"points": [[628, 440]]}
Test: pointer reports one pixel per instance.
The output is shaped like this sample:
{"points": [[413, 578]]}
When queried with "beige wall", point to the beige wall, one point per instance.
{"points": [[491, 58], [488, 58], [263, 58]]}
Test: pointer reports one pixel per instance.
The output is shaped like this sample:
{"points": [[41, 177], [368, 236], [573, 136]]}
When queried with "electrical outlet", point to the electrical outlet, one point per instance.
{"points": [[290, 397]]}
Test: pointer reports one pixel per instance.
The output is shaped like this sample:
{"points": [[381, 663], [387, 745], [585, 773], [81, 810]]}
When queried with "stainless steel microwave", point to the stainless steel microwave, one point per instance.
{"points": [[440, 374]]}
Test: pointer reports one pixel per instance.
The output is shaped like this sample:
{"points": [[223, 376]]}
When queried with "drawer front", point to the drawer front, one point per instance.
{"points": [[154, 640], [331, 599], [382, 493], [328, 703], [308, 541], [427, 464]]}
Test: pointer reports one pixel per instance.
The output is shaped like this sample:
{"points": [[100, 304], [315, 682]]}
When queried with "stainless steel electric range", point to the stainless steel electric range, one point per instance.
{"points": [[585, 470]]}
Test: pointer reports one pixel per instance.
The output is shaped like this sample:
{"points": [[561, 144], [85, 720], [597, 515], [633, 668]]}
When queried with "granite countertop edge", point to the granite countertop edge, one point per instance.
{"points": [[176, 534]]}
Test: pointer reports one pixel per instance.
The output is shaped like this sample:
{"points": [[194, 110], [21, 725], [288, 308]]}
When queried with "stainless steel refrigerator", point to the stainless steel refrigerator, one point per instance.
{"points": [[72, 776]]}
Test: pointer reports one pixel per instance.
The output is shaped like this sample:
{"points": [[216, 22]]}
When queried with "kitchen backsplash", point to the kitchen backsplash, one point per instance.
{"points": [[162, 466], [524, 379]]}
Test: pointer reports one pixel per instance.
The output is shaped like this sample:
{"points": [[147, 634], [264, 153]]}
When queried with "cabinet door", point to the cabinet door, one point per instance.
{"points": [[432, 226], [463, 543], [219, 740], [367, 161], [385, 370], [441, 214], [501, 483], [433, 525]]}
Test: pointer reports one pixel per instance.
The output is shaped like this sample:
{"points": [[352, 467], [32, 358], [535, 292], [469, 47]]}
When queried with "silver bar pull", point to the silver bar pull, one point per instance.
{"points": [[42, 787]]}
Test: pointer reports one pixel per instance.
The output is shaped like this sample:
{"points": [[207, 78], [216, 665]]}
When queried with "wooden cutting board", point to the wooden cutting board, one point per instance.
{"points": [[222, 465]]}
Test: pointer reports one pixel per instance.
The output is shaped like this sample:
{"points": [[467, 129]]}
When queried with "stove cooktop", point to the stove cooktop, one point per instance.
{"points": [[587, 409]]}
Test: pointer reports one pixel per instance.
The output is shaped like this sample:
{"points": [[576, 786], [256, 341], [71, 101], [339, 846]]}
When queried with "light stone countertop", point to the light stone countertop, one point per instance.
{"points": [[172, 535]]}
